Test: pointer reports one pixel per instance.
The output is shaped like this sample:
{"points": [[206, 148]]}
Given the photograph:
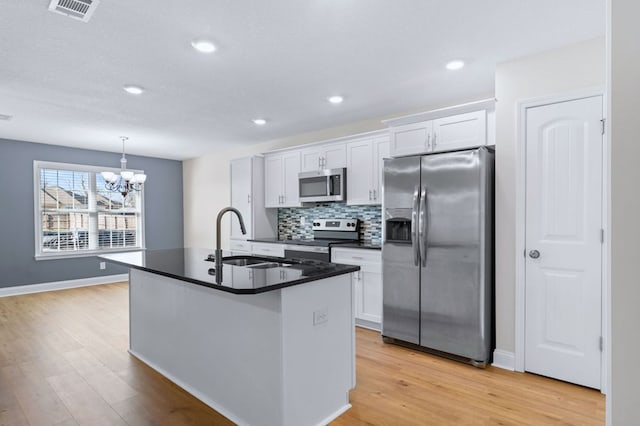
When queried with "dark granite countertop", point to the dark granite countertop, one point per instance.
{"points": [[370, 245], [277, 241], [191, 265]]}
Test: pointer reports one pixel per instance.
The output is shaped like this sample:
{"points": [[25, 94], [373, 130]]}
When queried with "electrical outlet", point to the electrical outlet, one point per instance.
{"points": [[103, 265], [320, 316], [303, 221]]}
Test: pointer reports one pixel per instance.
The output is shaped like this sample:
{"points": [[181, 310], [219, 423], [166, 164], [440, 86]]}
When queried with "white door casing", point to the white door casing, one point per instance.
{"points": [[563, 208]]}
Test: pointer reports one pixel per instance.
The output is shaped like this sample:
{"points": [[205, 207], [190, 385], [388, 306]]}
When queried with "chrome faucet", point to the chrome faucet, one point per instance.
{"points": [[219, 239]]}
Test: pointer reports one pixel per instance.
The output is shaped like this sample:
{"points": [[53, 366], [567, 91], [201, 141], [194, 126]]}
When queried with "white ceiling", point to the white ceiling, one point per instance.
{"points": [[61, 79]]}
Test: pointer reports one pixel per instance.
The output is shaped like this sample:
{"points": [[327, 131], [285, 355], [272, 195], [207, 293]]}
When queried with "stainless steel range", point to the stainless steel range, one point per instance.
{"points": [[326, 233]]}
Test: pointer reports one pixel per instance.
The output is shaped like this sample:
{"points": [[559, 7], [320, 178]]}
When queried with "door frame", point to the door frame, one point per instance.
{"points": [[520, 217]]}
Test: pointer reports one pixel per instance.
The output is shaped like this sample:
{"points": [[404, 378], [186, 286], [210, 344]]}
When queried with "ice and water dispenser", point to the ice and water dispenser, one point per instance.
{"points": [[398, 225]]}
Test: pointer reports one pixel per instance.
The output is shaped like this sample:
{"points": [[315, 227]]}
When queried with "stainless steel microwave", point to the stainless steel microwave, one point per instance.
{"points": [[322, 185]]}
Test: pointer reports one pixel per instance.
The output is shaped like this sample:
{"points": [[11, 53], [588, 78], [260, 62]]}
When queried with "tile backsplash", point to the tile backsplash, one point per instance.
{"points": [[289, 220]]}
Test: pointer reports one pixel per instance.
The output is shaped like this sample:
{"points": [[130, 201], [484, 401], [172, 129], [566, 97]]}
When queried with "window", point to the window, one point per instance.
{"points": [[75, 215]]}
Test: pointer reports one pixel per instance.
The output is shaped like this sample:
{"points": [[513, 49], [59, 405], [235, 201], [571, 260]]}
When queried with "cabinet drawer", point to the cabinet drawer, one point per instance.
{"points": [[240, 245], [368, 260], [268, 249]]}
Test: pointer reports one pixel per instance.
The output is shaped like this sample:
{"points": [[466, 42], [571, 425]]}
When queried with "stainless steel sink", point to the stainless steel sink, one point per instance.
{"points": [[243, 261], [268, 265]]}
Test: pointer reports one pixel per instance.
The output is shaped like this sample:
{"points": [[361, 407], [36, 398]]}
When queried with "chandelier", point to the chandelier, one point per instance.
{"points": [[126, 181]]}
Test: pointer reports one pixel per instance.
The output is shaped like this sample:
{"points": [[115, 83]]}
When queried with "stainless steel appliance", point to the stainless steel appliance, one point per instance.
{"points": [[437, 253], [322, 185], [326, 233]]}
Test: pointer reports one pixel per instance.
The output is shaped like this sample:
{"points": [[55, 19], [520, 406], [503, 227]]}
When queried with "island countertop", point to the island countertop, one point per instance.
{"points": [[193, 265]]}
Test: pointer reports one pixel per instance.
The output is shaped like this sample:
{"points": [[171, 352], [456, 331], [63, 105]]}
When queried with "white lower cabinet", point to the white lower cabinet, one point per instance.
{"points": [[367, 283], [267, 249], [240, 246]]}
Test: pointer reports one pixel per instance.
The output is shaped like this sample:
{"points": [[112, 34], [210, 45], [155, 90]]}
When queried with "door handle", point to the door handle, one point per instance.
{"points": [[414, 226], [422, 231], [534, 254]]}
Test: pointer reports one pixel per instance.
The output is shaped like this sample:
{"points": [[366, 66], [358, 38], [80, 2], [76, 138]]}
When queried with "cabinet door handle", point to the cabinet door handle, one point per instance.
{"points": [[249, 198], [375, 195], [369, 195], [429, 141], [357, 257], [435, 135], [319, 162], [324, 162]]}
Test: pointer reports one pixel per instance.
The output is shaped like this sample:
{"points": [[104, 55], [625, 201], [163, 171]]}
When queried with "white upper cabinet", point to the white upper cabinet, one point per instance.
{"points": [[281, 179], [241, 194], [464, 126], [459, 131], [291, 169], [360, 172], [382, 150], [247, 195], [411, 139], [319, 157], [364, 170], [273, 180]]}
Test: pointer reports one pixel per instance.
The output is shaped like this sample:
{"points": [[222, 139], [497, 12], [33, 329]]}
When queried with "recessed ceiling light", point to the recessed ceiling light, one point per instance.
{"points": [[204, 46], [134, 90], [455, 65], [335, 99], [259, 121]]}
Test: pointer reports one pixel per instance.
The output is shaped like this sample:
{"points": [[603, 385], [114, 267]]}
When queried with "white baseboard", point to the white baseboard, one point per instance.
{"points": [[335, 415], [61, 285], [504, 359]]}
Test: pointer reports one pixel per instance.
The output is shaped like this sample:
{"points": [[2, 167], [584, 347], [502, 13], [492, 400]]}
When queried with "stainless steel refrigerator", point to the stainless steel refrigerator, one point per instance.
{"points": [[437, 252]]}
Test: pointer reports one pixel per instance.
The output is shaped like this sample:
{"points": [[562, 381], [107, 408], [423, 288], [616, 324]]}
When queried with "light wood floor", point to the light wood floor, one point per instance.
{"points": [[64, 360]]}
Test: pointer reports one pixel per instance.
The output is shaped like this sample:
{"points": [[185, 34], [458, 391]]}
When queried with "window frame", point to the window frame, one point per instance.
{"points": [[37, 211]]}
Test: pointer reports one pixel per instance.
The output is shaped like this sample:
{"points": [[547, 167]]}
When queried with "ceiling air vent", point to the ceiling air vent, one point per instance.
{"points": [[76, 9]]}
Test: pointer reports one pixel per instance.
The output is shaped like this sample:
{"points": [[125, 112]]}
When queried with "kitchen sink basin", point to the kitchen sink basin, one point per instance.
{"points": [[268, 265], [243, 261], [253, 262]]}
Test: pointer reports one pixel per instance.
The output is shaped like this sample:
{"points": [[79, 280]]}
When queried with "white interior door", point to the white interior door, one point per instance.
{"points": [[563, 310]]}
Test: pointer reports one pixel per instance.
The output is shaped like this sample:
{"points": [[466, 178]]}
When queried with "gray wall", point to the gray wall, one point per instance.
{"points": [[163, 211]]}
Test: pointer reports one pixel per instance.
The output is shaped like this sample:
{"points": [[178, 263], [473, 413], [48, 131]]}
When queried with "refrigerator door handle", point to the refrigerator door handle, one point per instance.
{"points": [[422, 226], [414, 226]]}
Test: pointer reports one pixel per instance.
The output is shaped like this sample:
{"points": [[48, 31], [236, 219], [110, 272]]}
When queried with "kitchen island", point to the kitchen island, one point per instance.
{"points": [[272, 344]]}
